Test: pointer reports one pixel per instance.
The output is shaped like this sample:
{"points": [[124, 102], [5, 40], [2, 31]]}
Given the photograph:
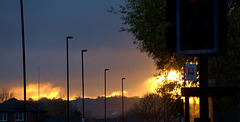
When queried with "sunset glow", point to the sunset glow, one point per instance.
{"points": [[194, 100], [118, 93], [171, 76], [47, 90], [53, 92]]}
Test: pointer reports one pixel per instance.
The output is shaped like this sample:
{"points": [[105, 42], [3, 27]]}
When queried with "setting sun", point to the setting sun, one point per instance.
{"points": [[171, 76], [167, 77]]}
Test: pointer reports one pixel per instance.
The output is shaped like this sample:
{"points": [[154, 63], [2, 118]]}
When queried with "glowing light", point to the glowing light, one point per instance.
{"points": [[173, 75], [47, 91], [153, 83], [168, 77], [118, 93], [194, 100]]}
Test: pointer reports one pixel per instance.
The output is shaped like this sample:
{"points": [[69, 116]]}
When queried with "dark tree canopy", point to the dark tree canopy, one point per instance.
{"points": [[146, 20], [225, 69], [6, 94]]}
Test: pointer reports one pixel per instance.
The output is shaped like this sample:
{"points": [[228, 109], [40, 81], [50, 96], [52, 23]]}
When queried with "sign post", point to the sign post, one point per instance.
{"points": [[200, 31]]}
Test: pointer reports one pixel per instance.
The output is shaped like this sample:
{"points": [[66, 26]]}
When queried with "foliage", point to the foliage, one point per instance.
{"points": [[149, 108], [6, 94], [169, 88], [146, 20], [225, 69], [171, 99], [165, 104], [58, 107], [53, 106]]}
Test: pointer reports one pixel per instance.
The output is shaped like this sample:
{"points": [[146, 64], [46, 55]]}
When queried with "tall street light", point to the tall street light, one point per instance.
{"points": [[24, 63], [122, 101], [38, 93], [105, 84], [67, 38], [83, 85]]}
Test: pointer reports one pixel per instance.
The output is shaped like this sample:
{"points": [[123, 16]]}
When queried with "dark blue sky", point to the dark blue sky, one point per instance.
{"points": [[48, 23]]}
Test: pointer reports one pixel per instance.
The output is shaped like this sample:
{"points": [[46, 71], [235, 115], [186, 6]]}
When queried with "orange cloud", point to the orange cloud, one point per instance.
{"points": [[118, 93], [151, 84], [47, 90]]}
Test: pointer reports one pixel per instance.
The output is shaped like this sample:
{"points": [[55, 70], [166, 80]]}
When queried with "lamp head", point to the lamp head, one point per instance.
{"points": [[69, 37], [106, 69], [84, 50], [123, 78]]}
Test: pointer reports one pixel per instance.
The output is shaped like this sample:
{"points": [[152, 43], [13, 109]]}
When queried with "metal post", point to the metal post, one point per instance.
{"points": [[83, 84], [24, 62], [69, 37], [38, 93], [122, 101], [67, 84], [187, 119], [105, 86], [203, 76]]}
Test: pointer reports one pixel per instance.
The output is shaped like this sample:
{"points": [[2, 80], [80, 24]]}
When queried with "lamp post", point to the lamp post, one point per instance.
{"points": [[67, 38], [38, 93], [83, 84], [105, 84], [24, 62], [122, 101]]}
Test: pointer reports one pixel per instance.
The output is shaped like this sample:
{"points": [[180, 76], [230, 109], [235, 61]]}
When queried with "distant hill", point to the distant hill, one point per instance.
{"points": [[95, 107]]}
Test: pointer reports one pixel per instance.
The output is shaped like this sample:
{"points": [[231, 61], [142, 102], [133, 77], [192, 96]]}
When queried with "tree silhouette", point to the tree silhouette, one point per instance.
{"points": [[6, 94], [149, 108]]}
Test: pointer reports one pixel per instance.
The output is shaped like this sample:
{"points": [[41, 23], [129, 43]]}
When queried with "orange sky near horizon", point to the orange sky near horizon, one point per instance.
{"points": [[48, 90], [53, 92]]}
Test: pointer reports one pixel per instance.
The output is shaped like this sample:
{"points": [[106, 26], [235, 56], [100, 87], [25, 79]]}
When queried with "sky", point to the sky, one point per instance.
{"points": [[47, 24]]}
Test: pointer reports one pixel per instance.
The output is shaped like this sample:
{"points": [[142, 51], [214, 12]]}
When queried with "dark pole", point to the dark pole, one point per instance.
{"points": [[38, 92], [122, 101], [24, 63], [186, 108], [105, 84], [203, 76], [83, 84], [69, 37]]}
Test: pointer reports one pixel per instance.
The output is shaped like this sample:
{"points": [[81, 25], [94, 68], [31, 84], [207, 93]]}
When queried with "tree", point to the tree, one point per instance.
{"points": [[53, 106], [165, 104], [6, 94], [146, 20], [149, 108], [171, 99], [154, 107], [225, 69]]}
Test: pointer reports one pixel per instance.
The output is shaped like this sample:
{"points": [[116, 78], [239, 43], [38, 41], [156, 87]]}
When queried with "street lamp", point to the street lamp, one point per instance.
{"points": [[105, 84], [24, 63], [67, 38], [122, 101], [83, 84]]}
